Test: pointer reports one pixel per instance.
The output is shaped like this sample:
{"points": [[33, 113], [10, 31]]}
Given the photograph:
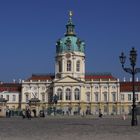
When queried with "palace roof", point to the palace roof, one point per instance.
{"points": [[41, 77], [10, 87], [98, 76], [88, 77], [127, 86]]}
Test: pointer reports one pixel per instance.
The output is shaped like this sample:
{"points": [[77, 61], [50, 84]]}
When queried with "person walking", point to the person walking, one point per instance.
{"points": [[124, 117], [100, 113], [28, 113]]}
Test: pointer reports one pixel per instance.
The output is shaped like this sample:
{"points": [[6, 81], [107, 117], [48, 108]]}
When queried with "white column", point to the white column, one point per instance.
{"points": [[80, 93], [72, 94], [108, 93], [100, 92], [109, 99], [39, 97], [91, 94], [63, 65], [46, 95], [83, 66], [63, 97], [73, 66]]}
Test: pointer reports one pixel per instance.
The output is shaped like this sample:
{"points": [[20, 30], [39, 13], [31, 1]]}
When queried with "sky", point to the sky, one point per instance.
{"points": [[29, 30]]}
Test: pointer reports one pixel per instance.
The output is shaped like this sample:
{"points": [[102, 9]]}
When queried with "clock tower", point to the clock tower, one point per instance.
{"points": [[70, 54]]}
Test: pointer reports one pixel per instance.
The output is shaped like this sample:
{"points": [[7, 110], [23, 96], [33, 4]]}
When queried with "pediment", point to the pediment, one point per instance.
{"points": [[68, 79]]}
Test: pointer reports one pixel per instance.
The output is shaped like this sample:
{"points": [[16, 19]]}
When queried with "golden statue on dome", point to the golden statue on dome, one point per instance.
{"points": [[70, 13]]}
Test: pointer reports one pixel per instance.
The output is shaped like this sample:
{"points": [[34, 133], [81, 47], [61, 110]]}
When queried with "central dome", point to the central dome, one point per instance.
{"points": [[70, 44]]}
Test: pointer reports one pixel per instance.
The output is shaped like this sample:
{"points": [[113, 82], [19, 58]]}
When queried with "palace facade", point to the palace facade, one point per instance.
{"points": [[70, 89], [76, 91]]}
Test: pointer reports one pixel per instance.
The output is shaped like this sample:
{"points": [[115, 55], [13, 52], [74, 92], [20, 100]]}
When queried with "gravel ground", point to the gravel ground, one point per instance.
{"points": [[68, 128]]}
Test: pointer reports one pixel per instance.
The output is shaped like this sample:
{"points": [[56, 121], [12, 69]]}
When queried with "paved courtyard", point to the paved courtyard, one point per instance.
{"points": [[68, 128]]}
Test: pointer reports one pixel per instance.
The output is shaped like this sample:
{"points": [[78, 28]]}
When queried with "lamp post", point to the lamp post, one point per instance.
{"points": [[132, 70], [54, 101]]}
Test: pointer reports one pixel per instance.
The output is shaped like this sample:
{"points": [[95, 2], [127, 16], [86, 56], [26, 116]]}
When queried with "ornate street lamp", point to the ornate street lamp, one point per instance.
{"points": [[54, 102], [132, 70]]}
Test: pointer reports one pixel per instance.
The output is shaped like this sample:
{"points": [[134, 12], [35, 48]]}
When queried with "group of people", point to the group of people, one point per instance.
{"points": [[26, 113], [8, 113]]}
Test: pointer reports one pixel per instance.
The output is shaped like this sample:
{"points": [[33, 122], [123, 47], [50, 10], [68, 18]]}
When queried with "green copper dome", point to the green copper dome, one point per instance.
{"points": [[70, 43]]}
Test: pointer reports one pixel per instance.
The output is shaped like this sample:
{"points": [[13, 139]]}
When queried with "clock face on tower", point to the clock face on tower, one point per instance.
{"points": [[68, 55]]}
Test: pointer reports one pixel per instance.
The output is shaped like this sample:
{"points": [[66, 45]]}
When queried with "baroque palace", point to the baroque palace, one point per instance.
{"points": [[73, 90]]}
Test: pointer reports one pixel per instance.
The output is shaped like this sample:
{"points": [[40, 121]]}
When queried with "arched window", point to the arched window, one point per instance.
{"points": [[68, 94], [43, 97], [68, 65], [113, 96], [59, 94], [96, 96], [105, 96], [77, 94], [78, 65], [88, 96]]}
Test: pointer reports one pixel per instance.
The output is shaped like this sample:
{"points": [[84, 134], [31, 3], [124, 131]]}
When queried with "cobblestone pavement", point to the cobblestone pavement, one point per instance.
{"points": [[68, 128]]}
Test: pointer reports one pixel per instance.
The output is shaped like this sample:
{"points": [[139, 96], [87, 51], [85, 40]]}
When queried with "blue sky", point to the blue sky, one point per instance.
{"points": [[29, 30]]}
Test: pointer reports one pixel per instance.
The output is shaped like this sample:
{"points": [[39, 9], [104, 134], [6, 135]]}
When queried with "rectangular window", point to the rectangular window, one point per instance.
{"points": [[7, 97], [136, 97], [129, 97], [14, 98], [96, 97], [43, 97], [68, 97], [122, 97], [113, 97], [1, 96], [105, 97]]}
